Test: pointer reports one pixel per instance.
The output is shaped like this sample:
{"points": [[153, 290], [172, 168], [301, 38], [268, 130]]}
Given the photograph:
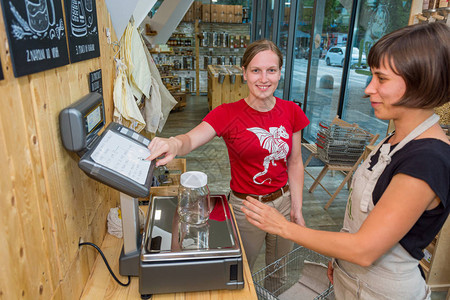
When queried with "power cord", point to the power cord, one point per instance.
{"points": [[106, 263]]}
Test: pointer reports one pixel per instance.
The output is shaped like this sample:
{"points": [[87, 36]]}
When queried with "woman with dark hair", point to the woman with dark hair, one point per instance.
{"points": [[263, 137], [400, 195]]}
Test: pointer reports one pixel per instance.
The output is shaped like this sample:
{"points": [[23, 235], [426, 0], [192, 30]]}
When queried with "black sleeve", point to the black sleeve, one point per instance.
{"points": [[430, 165]]}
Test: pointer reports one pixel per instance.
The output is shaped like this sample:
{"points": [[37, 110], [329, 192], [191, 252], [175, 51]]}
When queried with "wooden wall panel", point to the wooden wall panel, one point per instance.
{"points": [[47, 202]]}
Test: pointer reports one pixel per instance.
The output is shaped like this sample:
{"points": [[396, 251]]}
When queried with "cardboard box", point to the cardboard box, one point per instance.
{"points": [[287, 11], [230, 13], [206, 13], [214, 8], [222, 13], [197, 10], [189, 16], [237, 14], [214, 13], [214, 17]]}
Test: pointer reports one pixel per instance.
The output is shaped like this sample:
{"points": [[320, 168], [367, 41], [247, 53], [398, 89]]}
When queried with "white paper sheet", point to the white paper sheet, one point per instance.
{"points": [[123, 156]]}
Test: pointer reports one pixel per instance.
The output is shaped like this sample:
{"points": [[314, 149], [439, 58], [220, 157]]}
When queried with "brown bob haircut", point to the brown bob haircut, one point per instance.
{"points": [[259, 46], [420, 54]]}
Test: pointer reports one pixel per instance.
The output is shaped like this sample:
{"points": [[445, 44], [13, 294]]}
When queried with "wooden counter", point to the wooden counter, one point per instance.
{"points": [[101, 285]]}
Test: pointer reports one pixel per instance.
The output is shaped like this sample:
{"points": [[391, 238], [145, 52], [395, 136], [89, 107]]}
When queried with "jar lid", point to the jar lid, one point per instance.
{"points": [[193, 179]]}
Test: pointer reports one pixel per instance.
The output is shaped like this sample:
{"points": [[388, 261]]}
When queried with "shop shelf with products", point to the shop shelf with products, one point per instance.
{"points": [[181, 58], [208, 35], [218, 44], [221, 44]]}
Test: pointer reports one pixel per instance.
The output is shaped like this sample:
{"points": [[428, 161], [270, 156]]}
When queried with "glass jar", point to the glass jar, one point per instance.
{"points": [[194, 198]]}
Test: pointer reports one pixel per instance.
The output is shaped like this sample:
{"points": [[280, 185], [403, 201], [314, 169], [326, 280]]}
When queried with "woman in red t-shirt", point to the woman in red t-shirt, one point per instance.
{"points": [[263, 138]]}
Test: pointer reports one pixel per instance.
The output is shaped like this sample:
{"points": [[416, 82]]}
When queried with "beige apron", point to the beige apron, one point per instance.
{"points": [[395, 275]]}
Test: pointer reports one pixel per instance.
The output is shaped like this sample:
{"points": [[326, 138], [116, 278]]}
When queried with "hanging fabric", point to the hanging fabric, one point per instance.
{"points": [[126, 111], [138, 82], [167, 100], [134, 57]]}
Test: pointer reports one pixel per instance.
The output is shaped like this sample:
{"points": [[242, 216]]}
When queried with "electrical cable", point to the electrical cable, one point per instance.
{"points": [[106, 263]]}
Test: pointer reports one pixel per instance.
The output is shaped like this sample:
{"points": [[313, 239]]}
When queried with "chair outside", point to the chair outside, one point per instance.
{"points": [[340, 146]]}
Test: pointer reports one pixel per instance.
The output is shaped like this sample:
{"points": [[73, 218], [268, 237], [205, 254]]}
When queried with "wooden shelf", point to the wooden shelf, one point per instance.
{"points": [[437, 270], [174, 88], [187, 32], [192, 70], [219, 23], [206, 47], [180, 46], [161, 52], [425, 267]]}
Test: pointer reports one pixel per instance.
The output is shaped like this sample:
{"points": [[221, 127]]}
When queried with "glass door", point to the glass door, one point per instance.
{"points": [[283, 42], [302, 44], [328, 48]]}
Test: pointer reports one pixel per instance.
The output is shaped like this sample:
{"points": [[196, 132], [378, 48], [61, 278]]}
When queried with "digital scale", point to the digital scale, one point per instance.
{"points": [[160, 255], [176, 257]]}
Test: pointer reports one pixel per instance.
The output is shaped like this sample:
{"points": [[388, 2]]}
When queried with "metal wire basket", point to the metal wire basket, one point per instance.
{"points": [[290, 267], [341, 145]]}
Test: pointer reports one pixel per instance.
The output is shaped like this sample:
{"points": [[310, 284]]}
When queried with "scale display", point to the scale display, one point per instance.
{"points": [[94, 118]]}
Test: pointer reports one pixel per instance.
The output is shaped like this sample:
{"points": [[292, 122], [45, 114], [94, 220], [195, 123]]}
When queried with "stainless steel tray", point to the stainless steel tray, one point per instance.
{"points": [[163, 233]]}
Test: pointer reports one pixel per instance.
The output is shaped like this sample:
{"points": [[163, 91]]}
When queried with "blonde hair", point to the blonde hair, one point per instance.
{"points": [[259, 46]]}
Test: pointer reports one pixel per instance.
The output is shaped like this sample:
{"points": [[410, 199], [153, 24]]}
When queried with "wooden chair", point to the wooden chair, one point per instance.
{"points": [[346, 169]]}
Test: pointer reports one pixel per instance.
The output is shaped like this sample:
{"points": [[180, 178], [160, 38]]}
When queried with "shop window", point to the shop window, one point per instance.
{"points": [[374, 20], [322, 31]]}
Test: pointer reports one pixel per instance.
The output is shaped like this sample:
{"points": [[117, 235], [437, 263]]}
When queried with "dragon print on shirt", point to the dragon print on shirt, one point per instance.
{"points": [[271, 141]]}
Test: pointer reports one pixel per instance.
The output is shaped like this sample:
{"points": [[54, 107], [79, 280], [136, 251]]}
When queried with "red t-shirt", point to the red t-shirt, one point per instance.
{"points": [[259, 143]]}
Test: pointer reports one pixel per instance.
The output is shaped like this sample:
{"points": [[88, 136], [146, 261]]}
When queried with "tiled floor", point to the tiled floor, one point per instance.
{"points": [[212, 159]]}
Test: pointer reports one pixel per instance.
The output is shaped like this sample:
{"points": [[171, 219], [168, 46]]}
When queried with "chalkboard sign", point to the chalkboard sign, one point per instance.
{"points": [[1, 71], [82, 29], [95, 81], [36, 35]]}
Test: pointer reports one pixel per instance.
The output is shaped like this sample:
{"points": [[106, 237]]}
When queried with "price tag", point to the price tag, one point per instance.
{"points": [[427, 255]]}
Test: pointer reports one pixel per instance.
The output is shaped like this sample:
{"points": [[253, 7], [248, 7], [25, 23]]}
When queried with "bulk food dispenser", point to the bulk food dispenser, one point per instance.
{"points": [[170, 255]]}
